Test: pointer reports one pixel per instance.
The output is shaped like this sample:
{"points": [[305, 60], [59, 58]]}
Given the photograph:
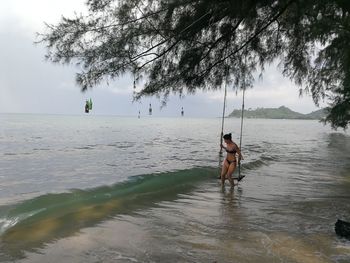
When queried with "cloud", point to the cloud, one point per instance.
{"points": [[273, 90], [30, 84], [31, 15]]}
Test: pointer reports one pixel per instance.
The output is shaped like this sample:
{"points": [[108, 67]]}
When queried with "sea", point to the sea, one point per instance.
{"points": [[91, 188]]}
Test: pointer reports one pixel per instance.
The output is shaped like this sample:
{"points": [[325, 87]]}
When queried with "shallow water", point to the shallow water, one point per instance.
{"points": [[117, 189]]}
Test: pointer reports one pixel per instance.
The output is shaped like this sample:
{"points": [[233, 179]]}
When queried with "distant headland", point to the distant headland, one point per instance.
{"points": [[278, 113]]}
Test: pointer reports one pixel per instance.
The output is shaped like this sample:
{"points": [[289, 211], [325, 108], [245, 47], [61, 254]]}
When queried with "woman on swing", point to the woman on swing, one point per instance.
{"points": [[230, 163]]}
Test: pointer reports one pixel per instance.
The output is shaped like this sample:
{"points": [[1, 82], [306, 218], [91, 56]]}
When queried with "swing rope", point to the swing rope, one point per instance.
{"points": [[242, 115], [223, 117], [241, 135]]}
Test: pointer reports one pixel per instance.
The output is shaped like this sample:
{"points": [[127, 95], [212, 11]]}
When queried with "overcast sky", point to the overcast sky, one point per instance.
{"points": [[29, 84]]}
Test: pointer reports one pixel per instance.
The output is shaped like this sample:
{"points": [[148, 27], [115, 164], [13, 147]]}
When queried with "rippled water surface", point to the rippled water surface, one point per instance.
{"points": [[118, 189]]}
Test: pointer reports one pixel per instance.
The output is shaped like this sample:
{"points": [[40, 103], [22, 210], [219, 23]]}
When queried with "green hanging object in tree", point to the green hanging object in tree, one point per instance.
{"points": [[90, 104]]}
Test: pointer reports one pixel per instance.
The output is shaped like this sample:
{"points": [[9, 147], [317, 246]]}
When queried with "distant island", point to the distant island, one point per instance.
{"points": [[278, 113]]}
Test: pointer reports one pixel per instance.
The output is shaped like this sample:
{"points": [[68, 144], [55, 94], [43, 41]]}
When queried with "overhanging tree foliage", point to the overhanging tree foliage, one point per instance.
{"points": [[184, 45]]}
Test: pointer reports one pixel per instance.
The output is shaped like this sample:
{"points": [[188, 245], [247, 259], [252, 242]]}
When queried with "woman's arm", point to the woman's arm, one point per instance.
{"points": [[240, 156]]}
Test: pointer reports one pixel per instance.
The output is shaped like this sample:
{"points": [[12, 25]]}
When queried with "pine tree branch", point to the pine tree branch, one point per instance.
{"points": [[273, 19]]}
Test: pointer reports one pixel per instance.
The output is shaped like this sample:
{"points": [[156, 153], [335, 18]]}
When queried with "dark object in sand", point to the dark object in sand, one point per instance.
{"points": [[240, 178], [342, 228]]}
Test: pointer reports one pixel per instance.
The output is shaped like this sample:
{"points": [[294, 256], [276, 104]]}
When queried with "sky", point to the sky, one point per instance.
{"points": [[30, 84]]}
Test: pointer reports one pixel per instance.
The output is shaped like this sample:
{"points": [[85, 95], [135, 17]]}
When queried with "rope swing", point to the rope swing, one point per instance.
{"points": [[242, 115], [241, 134], [241, 128], [223, 118]]}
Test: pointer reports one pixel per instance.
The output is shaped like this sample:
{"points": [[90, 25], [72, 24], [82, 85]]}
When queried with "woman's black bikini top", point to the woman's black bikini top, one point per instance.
{"points": [[233, 151]]}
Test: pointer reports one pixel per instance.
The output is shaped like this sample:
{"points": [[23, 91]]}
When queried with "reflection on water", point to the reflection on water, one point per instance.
{"points": [[47, 218], [200, 225]]}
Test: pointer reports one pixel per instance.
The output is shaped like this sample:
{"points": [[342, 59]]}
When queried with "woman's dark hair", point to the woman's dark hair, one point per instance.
{"points": [[228, 136]]}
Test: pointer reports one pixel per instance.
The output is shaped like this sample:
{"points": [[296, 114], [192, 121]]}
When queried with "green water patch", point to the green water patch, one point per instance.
{"points": [[33, 223]]}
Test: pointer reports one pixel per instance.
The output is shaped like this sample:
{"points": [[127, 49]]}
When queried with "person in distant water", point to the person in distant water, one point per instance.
{"points": [[182, 111], [230, 162], [87, 106], [150, 109], [139, 115]]}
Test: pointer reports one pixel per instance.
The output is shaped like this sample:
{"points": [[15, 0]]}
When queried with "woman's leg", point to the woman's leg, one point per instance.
{"points": [[224, 172], [230, 171]]}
